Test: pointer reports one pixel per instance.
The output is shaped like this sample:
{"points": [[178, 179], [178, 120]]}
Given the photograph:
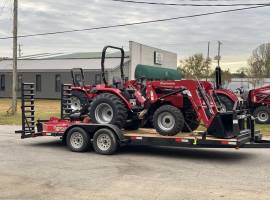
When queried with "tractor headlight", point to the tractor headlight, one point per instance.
{"points": [[187, 92]]}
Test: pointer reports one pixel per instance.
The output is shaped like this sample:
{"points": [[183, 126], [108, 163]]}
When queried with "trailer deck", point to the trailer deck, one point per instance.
{"points": [[195, 139]]}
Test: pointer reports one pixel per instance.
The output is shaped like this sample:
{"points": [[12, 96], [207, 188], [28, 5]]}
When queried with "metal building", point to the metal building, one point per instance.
{"points": [[49, 71]]}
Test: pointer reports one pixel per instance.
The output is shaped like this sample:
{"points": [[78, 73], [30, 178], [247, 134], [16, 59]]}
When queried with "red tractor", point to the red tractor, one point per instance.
{"points": [[174, 106], [128, 103], [80, 92], [258, 102]]}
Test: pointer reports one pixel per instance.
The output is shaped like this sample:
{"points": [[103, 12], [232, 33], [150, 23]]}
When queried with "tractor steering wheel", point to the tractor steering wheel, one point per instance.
{"points": [[140, 79], [142, 82]]}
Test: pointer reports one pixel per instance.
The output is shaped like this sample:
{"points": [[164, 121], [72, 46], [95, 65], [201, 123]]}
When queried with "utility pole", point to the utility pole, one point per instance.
{"points": [[218, 57], [208, 60], [208, 51], [20, 50], [14, 71]]}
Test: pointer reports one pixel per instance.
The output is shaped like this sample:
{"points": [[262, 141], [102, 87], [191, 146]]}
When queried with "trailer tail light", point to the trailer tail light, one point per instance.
{"points": [[136, 138], [181, 140], [224, 142]]}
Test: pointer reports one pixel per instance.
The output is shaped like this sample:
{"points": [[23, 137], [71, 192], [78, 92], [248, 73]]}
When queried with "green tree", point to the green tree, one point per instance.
{"points": [[195, 66]]}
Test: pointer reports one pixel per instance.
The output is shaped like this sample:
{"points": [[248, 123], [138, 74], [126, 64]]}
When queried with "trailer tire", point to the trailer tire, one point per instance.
{"points": [[262, 114], [168, 120], [105, 142], [79, 102], [78, 140], [116, 110]]}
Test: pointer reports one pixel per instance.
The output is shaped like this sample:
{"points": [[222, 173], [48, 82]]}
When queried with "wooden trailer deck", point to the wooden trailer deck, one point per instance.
{"points": [[197, 138]]}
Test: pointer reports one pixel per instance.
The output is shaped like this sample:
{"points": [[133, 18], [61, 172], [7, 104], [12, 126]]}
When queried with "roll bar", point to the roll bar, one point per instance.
{"points": [[103, 62], [73, 71]]}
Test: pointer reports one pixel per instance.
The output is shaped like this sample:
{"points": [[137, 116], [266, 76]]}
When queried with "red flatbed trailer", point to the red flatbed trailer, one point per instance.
{"points": [[79, 133]]}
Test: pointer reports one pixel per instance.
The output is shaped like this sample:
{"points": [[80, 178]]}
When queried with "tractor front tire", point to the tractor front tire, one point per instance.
{"points": [[226, 103], [168, 120], [262, 114], [191, 120], [107, 108]]}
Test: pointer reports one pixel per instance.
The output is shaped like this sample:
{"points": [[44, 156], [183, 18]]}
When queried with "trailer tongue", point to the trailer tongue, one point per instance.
{"points": [[79, 133]]}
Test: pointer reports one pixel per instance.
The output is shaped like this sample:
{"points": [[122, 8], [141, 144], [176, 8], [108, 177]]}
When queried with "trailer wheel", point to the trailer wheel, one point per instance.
{"points": [[262, 115], [78, 139], [79, 102], [105, 142], [168, 120], [226, 103]]}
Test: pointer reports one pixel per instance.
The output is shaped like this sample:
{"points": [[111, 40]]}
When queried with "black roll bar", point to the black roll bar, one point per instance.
{"points": [[73, 71], [103, 62]]}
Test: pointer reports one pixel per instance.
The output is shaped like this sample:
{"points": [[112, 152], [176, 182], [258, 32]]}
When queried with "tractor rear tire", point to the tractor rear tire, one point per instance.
{"points": [[107, 108], [191, 120], [168, 120], [262, 114], [79, 102], [226, 103]]}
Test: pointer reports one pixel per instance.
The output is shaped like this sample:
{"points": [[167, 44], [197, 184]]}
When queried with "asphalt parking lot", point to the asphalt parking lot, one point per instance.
{"points": [[42, 168]]}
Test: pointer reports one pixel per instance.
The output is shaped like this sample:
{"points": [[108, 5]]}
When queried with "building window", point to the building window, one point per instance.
{"points": [[57, 83], [38, 83], [97, 79], [3, 82], [158, 58]]}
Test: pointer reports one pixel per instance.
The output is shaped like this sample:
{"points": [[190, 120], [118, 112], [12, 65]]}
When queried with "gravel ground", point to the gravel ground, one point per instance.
{"points": [[42, 168]]}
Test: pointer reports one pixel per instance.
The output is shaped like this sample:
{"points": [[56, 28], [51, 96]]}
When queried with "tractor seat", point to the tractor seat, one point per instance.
{"points": [[118, 83]]}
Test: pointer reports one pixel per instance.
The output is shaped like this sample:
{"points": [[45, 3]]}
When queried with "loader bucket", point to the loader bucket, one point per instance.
{"points": [[225, 125]]}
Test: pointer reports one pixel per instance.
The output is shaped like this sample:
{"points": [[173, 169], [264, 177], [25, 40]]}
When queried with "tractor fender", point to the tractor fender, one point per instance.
{"points": [[116, 92], [91, 129], [79, 89], [228, 93]]}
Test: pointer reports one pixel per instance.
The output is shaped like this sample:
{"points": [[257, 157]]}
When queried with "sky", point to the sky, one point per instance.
{"points": [[240, 32]]}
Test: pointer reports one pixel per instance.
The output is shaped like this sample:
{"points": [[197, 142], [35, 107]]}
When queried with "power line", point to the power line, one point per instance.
{"points": [[135, 23], [189, 4]]}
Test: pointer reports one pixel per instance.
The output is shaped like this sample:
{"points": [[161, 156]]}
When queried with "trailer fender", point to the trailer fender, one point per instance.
{"points": [[93, 128]]}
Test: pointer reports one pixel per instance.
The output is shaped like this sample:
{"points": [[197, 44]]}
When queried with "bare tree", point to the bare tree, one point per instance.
{"points": [[259, 62], [196, 66]]}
